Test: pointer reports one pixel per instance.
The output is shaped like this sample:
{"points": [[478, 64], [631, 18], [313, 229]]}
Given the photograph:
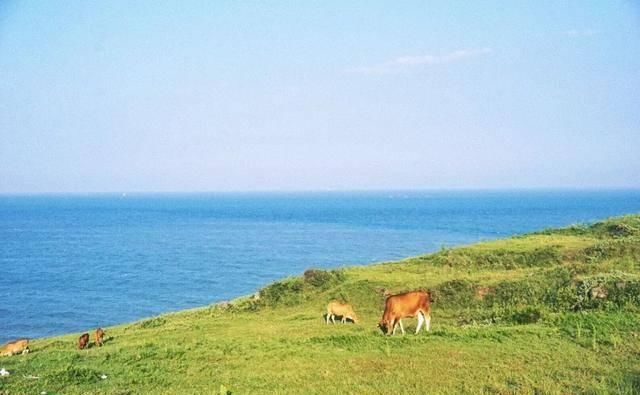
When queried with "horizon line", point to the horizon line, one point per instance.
{"points": [[124, 193]]}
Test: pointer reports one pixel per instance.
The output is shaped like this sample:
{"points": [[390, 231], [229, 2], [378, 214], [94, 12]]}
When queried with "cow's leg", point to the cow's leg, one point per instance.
{"points": [[427, 321], [394, 326], [420, 319], [344, 319], [328, 315], [333, 318], [401, 328]]}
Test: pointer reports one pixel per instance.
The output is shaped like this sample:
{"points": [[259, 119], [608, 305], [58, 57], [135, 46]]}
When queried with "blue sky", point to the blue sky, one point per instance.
{"points": [[227, 95]]}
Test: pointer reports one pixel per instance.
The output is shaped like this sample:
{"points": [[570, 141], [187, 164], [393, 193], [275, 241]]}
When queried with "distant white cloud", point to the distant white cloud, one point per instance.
{"points": [[581, 32], [405, 62]]}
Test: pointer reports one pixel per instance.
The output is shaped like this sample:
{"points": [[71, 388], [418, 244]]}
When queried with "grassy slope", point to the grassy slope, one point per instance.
{"points": [[536, 330]]}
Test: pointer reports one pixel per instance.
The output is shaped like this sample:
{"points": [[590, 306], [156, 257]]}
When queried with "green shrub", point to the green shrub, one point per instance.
{"points": [[288, 292], [613, 291], [323, 279], [454, 293], [480, 316], [528, 315], [500, 315], [516, 293], [294, 290], [613, 248], [618, 229]]}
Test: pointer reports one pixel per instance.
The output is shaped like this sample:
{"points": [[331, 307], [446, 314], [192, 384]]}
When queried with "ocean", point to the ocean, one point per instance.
{"points": [[71, 263]]}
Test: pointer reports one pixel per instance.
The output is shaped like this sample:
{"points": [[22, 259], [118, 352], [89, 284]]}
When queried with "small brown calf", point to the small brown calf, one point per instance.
{"points": [[99, 337], [343, 310], [83, 341]]}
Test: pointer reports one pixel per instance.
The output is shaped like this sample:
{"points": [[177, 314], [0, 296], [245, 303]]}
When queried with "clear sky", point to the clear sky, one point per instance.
{"points": [[121, 96]]}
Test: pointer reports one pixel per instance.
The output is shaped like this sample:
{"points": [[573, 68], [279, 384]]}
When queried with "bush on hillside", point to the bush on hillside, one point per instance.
{"points": [[499, 315], [604, 292], [454, 293], [624, 227], [322, 278], [561, 291], [295, 290], [516, 293], [558, 290], [527, 315], [287, 292], [612, 248]]}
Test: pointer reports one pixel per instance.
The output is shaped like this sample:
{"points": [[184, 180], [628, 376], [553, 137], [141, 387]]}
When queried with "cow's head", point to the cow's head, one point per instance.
{"points": [[384, 327]]}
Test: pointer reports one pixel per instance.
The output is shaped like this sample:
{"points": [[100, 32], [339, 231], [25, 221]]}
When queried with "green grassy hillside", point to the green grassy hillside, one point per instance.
{"points": [[557, 311]]}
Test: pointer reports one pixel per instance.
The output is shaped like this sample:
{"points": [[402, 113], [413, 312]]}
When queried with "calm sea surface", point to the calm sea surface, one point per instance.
{"points": [[72, 263]]}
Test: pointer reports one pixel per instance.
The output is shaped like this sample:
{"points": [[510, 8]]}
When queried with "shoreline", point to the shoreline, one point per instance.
{"points": [[563, 297], [244, 297], [362, 232]]}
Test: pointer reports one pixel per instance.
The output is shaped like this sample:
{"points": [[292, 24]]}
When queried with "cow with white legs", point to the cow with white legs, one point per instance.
{"points": [[406, 305]]}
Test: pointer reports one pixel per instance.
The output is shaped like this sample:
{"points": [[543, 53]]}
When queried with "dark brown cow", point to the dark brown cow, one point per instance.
{"points": [[99, 337], [406, 305], [83, 341]]}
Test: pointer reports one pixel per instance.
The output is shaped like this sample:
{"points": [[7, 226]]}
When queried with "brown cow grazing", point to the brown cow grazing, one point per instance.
{"points": [[410, 304], [20, 346], [343, 310], [83, 341], [99, 337]]}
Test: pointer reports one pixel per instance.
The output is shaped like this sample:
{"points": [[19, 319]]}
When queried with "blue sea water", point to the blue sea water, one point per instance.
{"points": [[71, 263]]}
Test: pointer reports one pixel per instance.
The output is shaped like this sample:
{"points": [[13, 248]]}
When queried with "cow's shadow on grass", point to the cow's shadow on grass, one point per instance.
{"points": [[338, 319], [105, 341]]}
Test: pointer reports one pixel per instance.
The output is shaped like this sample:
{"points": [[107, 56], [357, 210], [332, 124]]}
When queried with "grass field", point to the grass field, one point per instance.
{"points": [[557, 311]]}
